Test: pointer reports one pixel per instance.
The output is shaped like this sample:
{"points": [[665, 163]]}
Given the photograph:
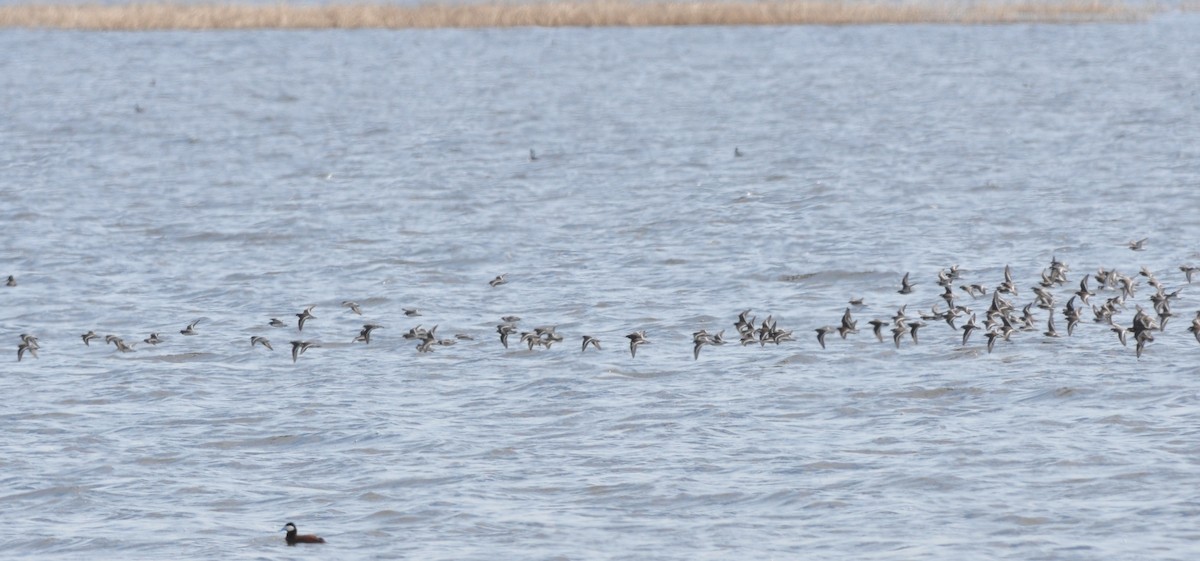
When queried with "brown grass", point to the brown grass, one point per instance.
{"points": [[585, 13]]}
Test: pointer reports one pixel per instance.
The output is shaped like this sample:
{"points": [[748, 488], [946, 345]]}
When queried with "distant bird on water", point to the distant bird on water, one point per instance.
{"points": [[294, 538]]}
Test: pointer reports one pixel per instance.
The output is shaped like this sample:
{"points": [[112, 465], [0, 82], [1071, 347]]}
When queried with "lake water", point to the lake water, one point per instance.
{"points": [[152, 179]]}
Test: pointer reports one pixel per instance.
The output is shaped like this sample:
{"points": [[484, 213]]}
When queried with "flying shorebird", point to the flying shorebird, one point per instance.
{"points": [[298, 348], [913, 326], [305, 316], [1188, 271], [1122, 333], [897, 333], [256, 340], [1084, 293], [1142, 338], [877, 328], [589, 340], [190, 329], [365, 334], [968, 328], [991, 340], [1195, 327], [26, 347], [701, 338], [29, 344], [636, 339], [849, 325], [121, 345], [505, 329], [821, 332], [428, 340], [1050, 331]]}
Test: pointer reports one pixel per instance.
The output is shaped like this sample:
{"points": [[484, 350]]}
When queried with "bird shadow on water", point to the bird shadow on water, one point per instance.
{"points": [[637, 374]]}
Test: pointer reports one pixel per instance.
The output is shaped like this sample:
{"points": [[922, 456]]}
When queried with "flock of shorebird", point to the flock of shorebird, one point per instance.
{"points": [[1001, 318]]}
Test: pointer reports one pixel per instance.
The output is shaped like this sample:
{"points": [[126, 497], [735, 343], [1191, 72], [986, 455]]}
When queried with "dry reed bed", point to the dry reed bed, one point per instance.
{"points": [[587, 13]]}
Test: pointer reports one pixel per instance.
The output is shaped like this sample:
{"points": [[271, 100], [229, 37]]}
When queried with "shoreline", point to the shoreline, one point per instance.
{"points": [[587, 13]]}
